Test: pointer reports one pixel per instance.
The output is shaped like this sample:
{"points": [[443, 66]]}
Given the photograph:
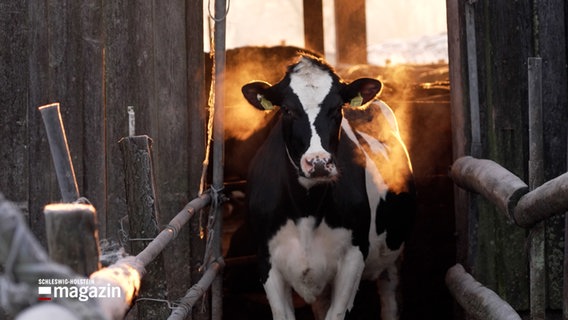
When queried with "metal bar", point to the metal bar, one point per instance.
{"points": [[488, 178], [196, 291], [477, 300], [60, 152], [547, 200], [221, 12], [155, 247], [537, 262]]}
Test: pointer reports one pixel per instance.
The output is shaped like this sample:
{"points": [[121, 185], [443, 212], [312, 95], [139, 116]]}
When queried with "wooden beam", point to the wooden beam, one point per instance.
{"points": [[350, 32], [72, 236], [142, 221], [313, 26]]}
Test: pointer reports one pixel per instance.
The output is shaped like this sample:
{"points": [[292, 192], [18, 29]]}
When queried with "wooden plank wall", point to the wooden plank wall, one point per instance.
{"points": [[96, 57], [507, 33]]}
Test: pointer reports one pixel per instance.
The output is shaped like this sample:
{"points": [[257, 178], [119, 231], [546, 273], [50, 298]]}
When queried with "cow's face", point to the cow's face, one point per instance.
{"points": [[311, 97]]}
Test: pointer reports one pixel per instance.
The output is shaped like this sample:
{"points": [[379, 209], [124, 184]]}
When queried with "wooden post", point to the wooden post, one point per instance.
{"points": [[466, 218], [60, 152], [142, 221], [197, 110], [24, 259], [313, 26], [537, 261], [72, 236], [472, 81], [350, 31]]}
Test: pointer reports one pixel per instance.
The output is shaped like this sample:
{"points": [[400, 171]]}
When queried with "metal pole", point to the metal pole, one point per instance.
{"points": [[536, 178], [218, 151], [60, 152]]}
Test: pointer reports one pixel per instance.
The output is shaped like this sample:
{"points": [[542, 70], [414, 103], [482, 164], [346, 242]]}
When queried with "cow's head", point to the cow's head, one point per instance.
{"points": [[311, 97]]}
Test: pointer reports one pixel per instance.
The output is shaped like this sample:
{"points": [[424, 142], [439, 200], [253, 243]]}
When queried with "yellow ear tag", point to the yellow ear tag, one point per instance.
{"points": [[357, 101], [267, 105]]}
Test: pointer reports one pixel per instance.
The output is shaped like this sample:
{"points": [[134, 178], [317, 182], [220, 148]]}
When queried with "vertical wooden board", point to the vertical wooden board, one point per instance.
{"points": [[460, 120], [171, 140], [116, 92], [42, 182], [313, 25], [13, 101], [197, 104], [501, 263], [196, 93], [93, 157], [551, 39], [350, 31], [143, 96], [66, 74]]}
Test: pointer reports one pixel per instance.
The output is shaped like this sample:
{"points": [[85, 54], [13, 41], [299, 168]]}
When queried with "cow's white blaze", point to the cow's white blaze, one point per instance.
{"points": [[311, 85]]}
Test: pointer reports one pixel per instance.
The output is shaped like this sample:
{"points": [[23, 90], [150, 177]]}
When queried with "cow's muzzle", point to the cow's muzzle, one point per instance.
{"points": [[318, 165]]}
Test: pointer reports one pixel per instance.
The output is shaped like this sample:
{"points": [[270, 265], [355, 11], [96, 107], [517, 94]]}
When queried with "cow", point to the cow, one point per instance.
{"points": [[331, 196]]}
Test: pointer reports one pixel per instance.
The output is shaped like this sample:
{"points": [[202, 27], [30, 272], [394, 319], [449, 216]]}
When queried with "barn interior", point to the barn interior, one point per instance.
{"points": [[98, 57], [419, 96], [417, 91]]}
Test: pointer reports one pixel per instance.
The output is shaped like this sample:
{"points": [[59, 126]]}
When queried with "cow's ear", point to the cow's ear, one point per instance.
{"points": [[256, 94], [361, 91]]}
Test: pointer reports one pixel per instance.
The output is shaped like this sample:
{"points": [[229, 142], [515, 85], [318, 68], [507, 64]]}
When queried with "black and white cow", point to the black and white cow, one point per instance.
{"points": [[331, 194]]}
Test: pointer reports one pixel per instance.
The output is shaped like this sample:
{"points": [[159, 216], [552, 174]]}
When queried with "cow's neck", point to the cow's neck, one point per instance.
{"points": [[312, 201]]}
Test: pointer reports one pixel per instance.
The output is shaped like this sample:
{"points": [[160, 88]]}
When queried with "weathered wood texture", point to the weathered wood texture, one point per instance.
{"points": [[96, 57], [142, 222], [72, 236], [59, 149], [507, 33], [197, 99]]}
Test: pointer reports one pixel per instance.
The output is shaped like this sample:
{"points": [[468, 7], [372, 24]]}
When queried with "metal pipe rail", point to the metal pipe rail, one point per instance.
{"points": [[509, 193], [479, 301]]}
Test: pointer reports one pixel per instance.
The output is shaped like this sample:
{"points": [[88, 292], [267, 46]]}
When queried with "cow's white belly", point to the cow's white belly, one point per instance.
{"points": [[307, 256]]}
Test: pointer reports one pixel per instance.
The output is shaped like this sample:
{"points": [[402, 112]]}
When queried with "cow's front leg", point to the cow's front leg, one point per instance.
{"points": [[387, 285], [279, 296], [345, 284]]}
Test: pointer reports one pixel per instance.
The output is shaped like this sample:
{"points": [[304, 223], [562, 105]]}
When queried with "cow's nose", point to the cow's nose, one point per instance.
{"points": [[318, 165]]}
